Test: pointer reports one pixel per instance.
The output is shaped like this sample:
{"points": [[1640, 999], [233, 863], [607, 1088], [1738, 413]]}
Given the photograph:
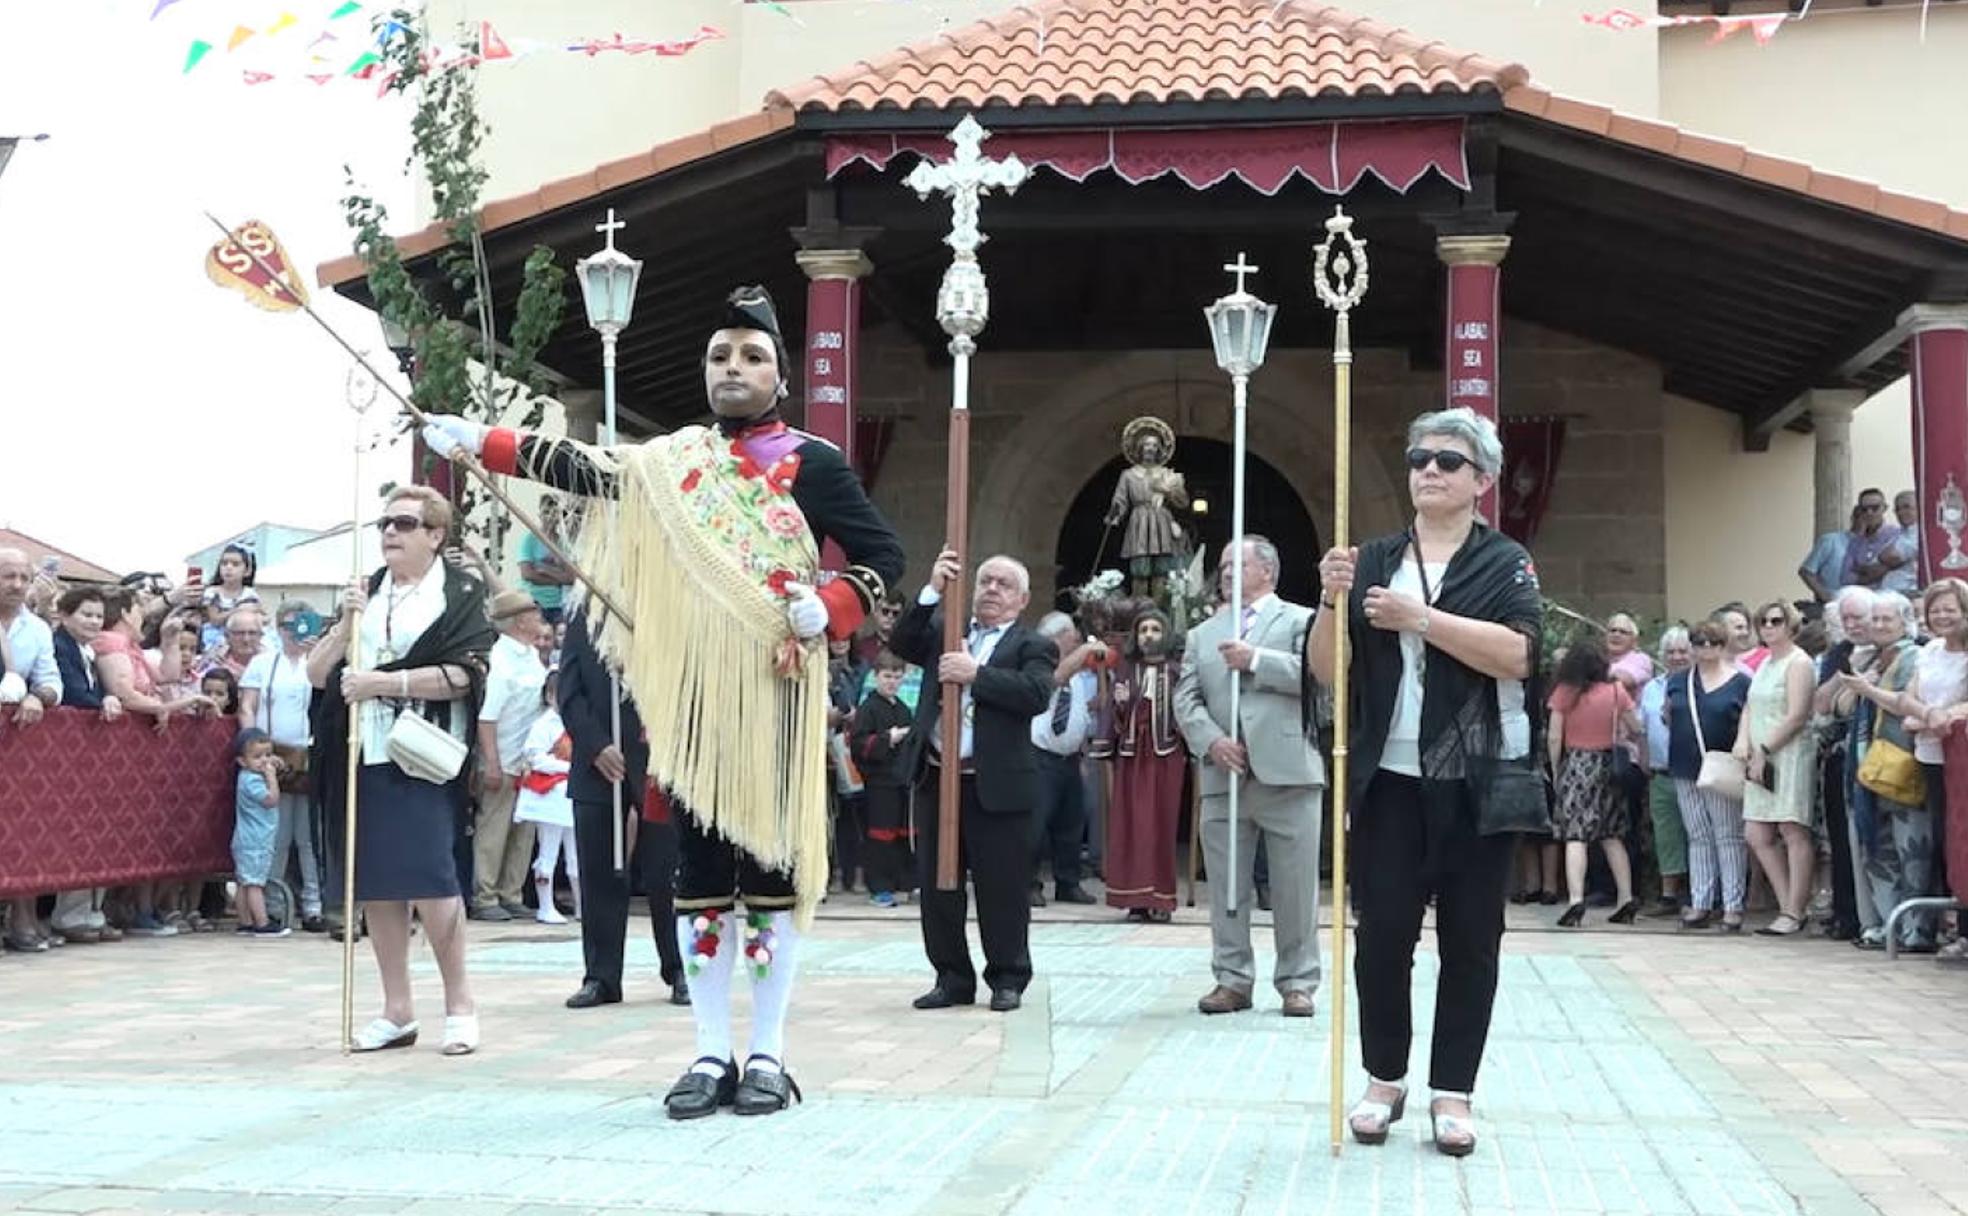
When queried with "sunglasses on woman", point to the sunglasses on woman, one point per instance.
{"points": [[1446, 459], [1771, 621], [399, 523]]}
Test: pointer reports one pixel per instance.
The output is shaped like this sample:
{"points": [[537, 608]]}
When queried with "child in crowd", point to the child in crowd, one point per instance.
{"points": [[880, 726], [256, 818], [543, 802], [220, 685]]}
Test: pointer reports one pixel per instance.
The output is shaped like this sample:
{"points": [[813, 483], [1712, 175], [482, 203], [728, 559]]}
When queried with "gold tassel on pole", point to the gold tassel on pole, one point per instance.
{"points": [[1340, 278]]}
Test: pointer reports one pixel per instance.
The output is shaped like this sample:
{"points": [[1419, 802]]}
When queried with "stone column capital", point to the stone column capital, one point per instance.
{"points": [[822, 264], [1925, 318], [1467, 250], [1833, 405]]}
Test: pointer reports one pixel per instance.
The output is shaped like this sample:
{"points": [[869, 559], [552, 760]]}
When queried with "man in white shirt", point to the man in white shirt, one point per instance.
{"points": [[274, 695], [1059, 735], [502, 851], [30, 645]]}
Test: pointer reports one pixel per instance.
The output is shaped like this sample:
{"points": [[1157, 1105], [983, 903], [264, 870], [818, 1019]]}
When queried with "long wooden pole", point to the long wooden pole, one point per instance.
{"points": [[460, 458], [956, 615], [351, 916], [1340, 281]]}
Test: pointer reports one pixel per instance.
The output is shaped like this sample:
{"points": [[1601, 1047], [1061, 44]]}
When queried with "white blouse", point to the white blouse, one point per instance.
{"points": [[1402, 753], [397, 615]]}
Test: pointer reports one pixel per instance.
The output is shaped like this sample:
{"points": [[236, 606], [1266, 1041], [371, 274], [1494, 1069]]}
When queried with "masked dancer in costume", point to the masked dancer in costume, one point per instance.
{"points": [[1140, 735], [713, 552]]}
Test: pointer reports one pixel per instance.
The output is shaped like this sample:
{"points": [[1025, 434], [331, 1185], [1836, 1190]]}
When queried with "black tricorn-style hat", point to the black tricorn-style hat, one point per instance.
{"points": [[751, 308]]}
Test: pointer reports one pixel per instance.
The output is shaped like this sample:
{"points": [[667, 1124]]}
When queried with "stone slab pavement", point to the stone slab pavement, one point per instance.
{"points": [[1630, 1071]]}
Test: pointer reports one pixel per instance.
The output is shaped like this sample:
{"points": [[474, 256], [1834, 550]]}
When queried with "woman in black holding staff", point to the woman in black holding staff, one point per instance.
{"points": [[1443, 623]]}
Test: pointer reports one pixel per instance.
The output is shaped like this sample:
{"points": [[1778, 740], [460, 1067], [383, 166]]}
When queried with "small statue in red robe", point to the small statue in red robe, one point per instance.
{"points": [[1138, 734]]}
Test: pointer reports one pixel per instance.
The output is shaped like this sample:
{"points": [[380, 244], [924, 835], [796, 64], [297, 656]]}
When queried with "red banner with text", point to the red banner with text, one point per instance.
{"points": [[89, 803]]}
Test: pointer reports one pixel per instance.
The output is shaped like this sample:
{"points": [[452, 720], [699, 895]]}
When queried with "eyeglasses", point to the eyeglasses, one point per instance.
{"points": [[1773, 620], [398, 523], [1446, 459], [1708, 641], [1871, 508]]}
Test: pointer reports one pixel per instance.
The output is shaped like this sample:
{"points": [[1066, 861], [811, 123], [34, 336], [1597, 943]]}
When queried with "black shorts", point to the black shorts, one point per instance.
{"points": [[712, 872]]}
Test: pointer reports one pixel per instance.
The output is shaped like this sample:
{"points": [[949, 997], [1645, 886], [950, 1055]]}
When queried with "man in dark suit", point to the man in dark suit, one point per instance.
{"points": [[1005, 671], [597, 766]]}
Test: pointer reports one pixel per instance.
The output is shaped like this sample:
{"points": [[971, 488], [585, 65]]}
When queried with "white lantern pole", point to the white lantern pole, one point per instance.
{"points": [[1240, 328], [608, 286]]}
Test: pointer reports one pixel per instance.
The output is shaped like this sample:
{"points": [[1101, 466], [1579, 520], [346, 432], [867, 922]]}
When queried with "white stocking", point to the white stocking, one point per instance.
{"points": [[710, 981], [772, 955]]}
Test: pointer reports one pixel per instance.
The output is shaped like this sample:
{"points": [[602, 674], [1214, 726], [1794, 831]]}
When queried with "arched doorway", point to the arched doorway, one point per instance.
{"points": [[1271, 508]]}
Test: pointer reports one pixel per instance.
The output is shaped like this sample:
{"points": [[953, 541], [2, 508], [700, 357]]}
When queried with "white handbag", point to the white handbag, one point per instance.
{"points": [[1721, 773], [424, 751]]}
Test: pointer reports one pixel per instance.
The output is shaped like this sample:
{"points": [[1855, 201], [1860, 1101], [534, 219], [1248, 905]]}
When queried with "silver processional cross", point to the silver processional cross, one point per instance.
{"points": [[963, 304]]}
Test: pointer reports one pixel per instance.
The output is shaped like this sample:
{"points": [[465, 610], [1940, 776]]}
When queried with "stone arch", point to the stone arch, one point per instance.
{"points": [[1051, 446]]}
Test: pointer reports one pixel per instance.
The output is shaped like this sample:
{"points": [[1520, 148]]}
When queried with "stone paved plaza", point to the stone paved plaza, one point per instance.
{"points": [[1633, 1071]]}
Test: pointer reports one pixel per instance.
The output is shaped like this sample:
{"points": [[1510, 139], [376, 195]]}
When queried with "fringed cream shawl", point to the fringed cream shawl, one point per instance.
{"points": [[698, 553]]}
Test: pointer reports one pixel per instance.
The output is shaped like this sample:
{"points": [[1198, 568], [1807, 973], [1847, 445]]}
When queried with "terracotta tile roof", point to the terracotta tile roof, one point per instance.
{"points": [[498, 213], [1666, 139], [73, 569], [1063, 52]]}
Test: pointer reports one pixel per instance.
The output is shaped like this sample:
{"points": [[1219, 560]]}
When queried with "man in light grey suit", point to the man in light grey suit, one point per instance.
{"points": [[1283, 781]]}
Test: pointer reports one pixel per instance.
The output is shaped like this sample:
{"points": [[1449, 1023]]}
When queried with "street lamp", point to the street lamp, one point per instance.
{"points": [[608, 287], [399, 342], [1240, 329]]}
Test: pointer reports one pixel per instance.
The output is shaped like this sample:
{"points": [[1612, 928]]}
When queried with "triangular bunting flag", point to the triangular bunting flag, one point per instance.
{"points": [[286, 20], [161, 6], [347, 10], [240, 34], [490, 45], [197, 51], [321, 79], [364, 67], [252, 77]]}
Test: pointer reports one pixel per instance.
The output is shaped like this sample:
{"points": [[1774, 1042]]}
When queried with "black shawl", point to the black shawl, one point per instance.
{"points": [[1491, 578], [462, 637]]}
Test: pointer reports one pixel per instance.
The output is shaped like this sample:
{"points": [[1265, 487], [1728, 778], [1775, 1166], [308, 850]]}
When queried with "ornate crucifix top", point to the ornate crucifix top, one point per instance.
{"points": [[963, 304], [610, 228]]}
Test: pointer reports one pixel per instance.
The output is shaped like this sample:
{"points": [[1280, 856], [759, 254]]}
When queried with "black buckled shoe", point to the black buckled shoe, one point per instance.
{"points": [[766, 1091], [696, 1095], [592, 993]]}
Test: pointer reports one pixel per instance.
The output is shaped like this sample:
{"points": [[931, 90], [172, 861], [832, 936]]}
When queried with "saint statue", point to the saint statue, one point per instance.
{"points": [[1138, 733], [1145, 502]]}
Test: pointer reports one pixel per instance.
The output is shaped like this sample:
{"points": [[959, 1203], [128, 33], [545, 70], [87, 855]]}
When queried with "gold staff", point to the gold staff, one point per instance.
{"points": [[1340, 278], [360, 403]]}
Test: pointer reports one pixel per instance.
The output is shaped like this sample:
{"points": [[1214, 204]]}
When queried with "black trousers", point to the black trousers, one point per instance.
{"points": [[1844, 891], [1390, 841], [712, 872], [994, 850], [885, 857], [850, 828], [1059, 820], [605, 894]]}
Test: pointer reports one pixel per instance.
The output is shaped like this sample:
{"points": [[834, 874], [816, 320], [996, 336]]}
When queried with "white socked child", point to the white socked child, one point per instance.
{"points": [[543, 801]]}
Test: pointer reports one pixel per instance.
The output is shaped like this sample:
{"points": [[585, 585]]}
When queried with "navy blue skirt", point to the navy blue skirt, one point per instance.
{"points": [[405, 830]]}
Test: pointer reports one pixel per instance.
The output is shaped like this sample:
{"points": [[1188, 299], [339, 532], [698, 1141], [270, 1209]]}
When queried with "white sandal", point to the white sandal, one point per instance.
{"points": [[460, 1034], [1379, 1116], [383, 1034], [1455, 1135]]}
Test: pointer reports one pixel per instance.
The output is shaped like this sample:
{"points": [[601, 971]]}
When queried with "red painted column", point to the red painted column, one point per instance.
{"points": [[1937, 353], [1474, 324], [833, 341]]}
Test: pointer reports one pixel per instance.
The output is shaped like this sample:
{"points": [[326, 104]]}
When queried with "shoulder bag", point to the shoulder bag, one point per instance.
{"points": [[424, 751], [1721, 773], [293, 759], [1890, 770], [1515, 801]]}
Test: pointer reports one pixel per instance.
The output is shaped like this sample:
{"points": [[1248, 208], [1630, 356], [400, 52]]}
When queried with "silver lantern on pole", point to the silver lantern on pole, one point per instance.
{"points": [[1240, 330]]}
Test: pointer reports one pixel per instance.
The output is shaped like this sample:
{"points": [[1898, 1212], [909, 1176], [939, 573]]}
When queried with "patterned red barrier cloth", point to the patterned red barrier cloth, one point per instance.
{"points": [[89, 803]]}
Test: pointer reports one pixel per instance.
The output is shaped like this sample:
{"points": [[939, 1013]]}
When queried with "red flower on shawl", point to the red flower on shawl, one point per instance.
{"points": [[783, 521], [691, 479], [777, 580]]}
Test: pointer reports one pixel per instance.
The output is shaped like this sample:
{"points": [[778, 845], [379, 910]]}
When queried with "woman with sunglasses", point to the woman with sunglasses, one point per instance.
{"points": [[1704, 714], [424, 638], [1779, 753], [1444, 622]]}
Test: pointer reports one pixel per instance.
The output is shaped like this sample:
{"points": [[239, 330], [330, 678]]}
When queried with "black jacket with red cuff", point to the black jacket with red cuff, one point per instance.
{"points": [[823, 486]]}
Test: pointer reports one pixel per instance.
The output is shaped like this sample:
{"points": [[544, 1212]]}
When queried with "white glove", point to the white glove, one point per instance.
{"points": [[806, 612], [447, 434], [13, 689]]}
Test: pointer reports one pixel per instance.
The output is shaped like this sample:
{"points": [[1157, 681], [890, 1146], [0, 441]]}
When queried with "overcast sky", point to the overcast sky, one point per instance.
{"points": [[148, 412]]}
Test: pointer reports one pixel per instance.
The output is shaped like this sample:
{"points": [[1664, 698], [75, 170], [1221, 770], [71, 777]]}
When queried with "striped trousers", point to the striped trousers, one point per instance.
{"points": [[1716, 852]]}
